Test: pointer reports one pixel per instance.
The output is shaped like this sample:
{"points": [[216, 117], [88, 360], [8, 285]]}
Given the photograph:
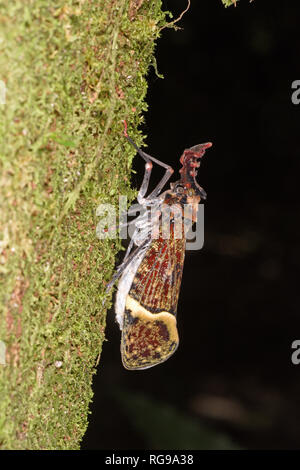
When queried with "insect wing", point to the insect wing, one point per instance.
{"points": [[149, 333]]}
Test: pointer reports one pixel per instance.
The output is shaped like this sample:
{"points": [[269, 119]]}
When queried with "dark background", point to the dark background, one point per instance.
{"points": [[231, 383]]}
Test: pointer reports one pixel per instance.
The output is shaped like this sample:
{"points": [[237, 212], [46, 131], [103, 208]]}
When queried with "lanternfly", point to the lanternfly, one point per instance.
{"points": [[150, 274]]}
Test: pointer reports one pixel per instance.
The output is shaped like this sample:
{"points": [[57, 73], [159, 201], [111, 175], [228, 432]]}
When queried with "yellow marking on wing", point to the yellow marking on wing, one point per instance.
{"points": [[143, 314], [147, 338]]}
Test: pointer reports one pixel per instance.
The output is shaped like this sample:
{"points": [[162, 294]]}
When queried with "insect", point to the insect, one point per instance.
{"points": [[151, 271]]}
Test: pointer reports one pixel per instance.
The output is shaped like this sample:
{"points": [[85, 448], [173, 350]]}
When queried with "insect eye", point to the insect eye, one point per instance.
{"points": [[179, 189]]}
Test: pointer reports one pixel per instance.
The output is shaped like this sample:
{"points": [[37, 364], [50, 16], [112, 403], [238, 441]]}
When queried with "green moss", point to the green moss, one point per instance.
{"points": [[228, 3], [73, 71]]}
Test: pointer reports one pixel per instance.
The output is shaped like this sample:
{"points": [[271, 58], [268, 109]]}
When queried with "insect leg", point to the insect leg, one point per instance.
{"points": [[131, 211], [145, 183], [142, 230], [149, 159], [124, 265], [161, 184], [128, 249]]}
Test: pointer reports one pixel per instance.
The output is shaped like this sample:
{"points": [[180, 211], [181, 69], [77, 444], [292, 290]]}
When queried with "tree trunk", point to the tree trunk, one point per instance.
{"points": [[72, 70]]}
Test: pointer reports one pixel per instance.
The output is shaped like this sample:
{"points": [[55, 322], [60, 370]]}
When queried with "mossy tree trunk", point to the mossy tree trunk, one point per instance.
{"points": [[73, 70]]}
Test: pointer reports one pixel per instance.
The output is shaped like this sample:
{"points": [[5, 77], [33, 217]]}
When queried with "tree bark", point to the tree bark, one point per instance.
{"points": [[72, 70]]}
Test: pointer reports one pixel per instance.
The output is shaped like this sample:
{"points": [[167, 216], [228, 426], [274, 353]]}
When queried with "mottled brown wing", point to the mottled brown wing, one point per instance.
{"points": [[149, 334]]}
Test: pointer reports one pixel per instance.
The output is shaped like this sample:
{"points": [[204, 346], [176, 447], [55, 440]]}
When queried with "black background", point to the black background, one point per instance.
{"points": [[231, 383]]}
